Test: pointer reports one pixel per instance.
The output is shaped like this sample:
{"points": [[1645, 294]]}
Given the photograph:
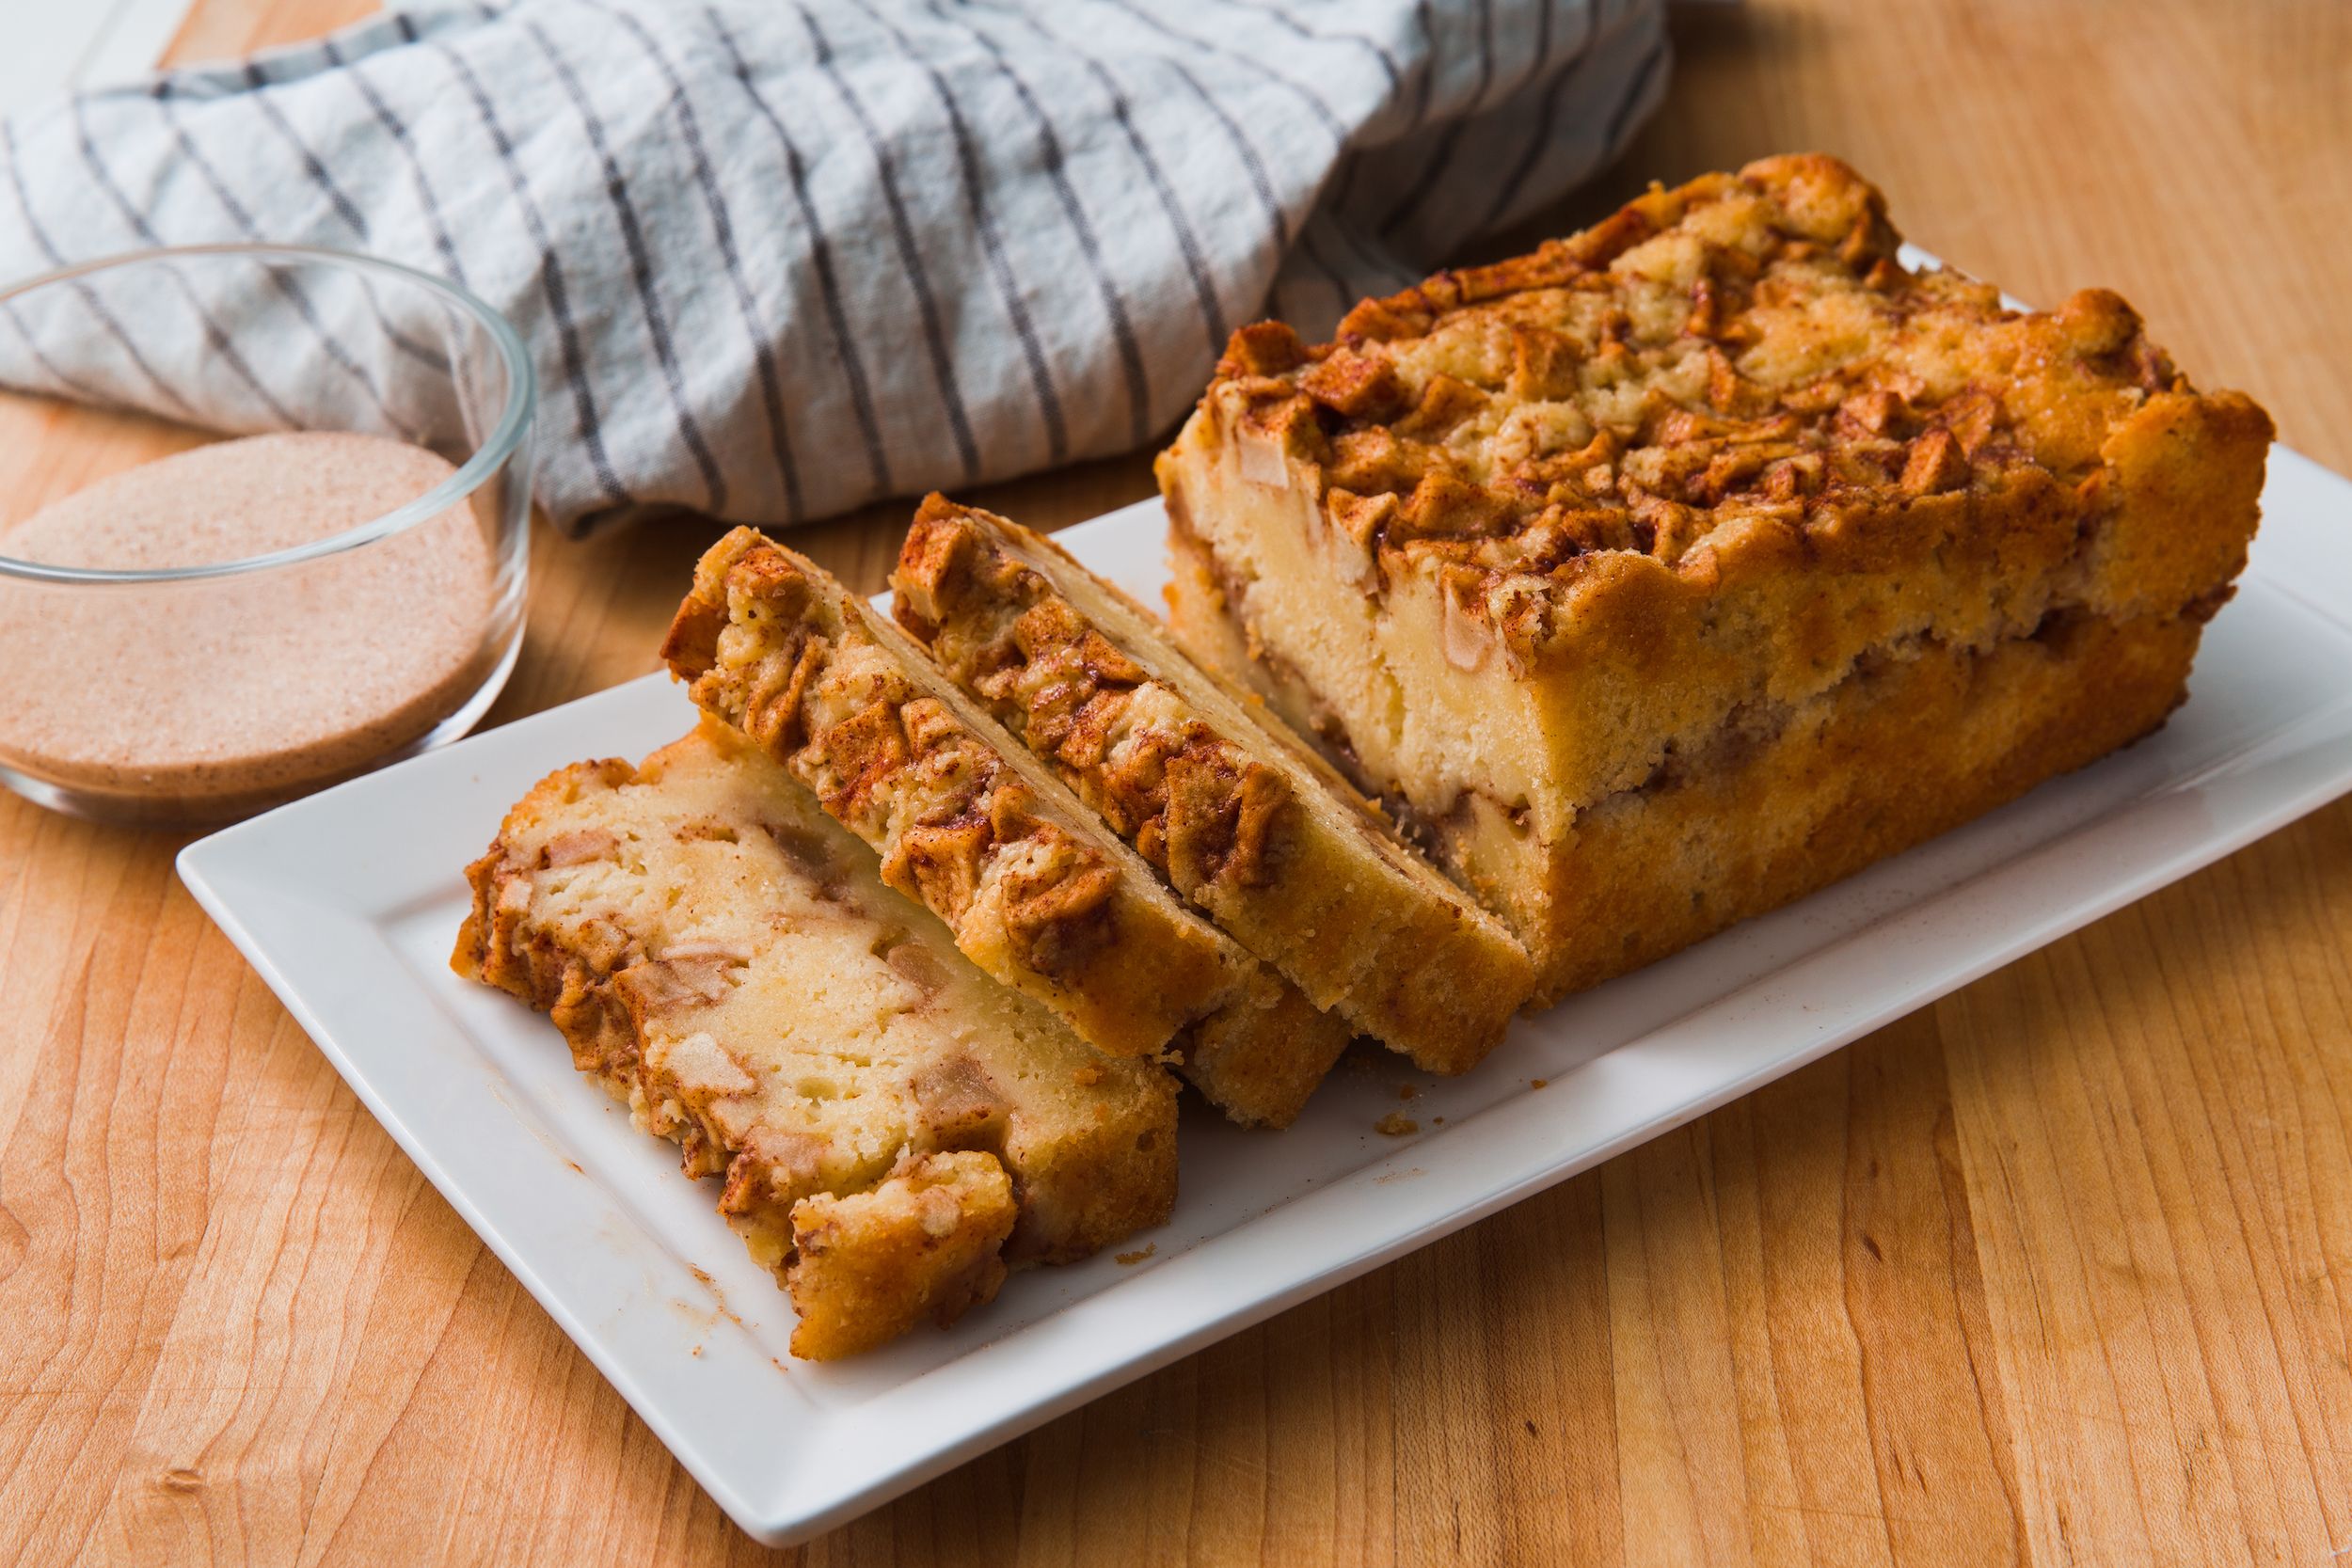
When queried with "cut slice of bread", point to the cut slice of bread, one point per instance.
{"points": [[1238, 814], [1038, 891], [895, 1129]]}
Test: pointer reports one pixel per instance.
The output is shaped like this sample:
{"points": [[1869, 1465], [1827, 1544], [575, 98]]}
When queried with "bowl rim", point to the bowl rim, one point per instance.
{"points": [[506, 438]]}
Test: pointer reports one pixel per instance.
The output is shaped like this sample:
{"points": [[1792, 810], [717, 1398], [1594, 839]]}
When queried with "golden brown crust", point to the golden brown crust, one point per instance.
{"points": [[727, 962], [1237, 815], [1259, 1058], [1581, 512], [1756, 353], [927, 1243]]}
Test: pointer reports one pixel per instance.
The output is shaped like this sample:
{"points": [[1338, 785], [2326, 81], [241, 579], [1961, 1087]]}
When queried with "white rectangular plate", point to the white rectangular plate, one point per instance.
{"points": [[347, 904]]}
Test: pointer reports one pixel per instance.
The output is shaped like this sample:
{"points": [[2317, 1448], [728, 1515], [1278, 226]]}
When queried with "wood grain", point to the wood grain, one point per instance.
{"points": [[2052, 1271]]}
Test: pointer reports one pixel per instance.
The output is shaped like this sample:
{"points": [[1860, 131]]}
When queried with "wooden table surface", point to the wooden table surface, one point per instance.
{"points": [[2058, 1270]]}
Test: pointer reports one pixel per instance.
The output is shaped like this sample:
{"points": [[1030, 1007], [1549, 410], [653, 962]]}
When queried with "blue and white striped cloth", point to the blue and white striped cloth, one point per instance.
{"points": [[777, 257]]}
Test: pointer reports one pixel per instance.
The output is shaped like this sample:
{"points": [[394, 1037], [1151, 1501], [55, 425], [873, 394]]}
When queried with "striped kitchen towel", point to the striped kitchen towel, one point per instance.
{"points": [[777, 257]]}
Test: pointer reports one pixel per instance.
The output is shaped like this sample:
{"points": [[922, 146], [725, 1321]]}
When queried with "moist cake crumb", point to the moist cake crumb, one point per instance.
{"points": [[726, 959]]}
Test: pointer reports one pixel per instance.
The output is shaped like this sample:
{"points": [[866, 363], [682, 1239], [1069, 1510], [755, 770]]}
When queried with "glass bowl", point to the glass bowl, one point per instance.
{"points": [[323, 575]]}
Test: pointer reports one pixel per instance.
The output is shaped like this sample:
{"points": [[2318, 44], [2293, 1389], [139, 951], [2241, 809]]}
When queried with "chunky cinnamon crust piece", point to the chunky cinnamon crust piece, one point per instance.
{"points": [[895, 1128], [1236, 812], [1038, 893], [1534, 547], [927, 1242]]}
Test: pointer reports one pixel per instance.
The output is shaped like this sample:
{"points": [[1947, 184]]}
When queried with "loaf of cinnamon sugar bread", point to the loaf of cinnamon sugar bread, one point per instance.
{"points": [[895, 1129], [1666, 574], [1231, 807], [1037, 891]]}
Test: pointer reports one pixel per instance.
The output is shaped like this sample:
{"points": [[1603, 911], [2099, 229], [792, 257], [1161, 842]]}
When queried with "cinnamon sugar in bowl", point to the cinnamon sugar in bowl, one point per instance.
{"points": [[219, 630]]}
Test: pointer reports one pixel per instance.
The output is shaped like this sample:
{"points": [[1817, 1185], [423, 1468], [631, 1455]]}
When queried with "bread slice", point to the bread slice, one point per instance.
{"points": [[1039, 893], [1579, 562], [1238, 814], [895, 1128]]}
